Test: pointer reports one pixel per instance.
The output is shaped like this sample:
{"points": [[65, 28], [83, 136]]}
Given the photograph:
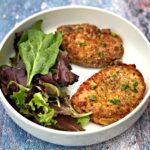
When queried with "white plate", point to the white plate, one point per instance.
{"points": [[137, 51]]}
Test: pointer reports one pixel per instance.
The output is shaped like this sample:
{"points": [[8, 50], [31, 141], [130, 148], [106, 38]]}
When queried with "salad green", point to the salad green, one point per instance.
{"points": [[39, 51], [33, 84]]}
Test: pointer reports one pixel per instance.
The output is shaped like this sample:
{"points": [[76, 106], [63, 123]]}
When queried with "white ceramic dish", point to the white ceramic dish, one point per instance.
{"points": [[137, 51]]}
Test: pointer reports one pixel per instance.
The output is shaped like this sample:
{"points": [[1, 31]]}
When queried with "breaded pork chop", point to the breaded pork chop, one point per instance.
{"points": [[110, 94], [89, 46]]}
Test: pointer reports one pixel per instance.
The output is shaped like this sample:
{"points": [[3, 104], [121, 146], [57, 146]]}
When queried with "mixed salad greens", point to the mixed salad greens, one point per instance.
{"points": [[33, 83]]}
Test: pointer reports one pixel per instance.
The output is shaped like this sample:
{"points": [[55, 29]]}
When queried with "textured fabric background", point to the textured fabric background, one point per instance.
{"points": [[13, 11]]}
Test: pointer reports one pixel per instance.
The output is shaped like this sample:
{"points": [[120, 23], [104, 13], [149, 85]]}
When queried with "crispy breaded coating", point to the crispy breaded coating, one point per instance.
{"points": [[110, 94], [89, 46]]}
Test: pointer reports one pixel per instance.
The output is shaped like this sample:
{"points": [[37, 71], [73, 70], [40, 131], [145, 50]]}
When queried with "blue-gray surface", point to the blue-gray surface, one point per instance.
{"points": [[13, 11]]}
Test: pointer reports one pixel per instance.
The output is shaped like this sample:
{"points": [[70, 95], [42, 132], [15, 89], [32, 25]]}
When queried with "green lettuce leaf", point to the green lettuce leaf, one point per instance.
{"points": [[19, 98], [39, 51], [74, 113], [38, 25], [47, 118], [53, 90], [83, 120], [37, 100]]}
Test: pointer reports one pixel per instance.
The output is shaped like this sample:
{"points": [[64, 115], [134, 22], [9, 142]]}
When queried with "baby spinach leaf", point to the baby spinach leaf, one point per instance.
{"points": [[24, 36], [39, 52]]}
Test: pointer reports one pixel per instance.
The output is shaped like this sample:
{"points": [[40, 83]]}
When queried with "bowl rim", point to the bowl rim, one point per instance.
{"points": [[69, 133]]}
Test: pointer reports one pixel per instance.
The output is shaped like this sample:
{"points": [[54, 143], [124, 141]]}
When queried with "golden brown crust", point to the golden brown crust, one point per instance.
{"points": [[89, 46], [118, 90]]}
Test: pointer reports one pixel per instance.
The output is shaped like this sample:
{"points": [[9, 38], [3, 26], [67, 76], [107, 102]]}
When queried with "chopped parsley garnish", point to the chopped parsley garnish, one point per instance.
{"points": [[135, 84], [111, 63], [117, 48], [93, 98], [79, 29], [124, 86], [113, 34], [121, 46], [103, 45], [115, 101], [114, 75], [99, 34], [101, 65], [82, 44], [101, 79], [100, 53], [93, 87], [135, 90]]}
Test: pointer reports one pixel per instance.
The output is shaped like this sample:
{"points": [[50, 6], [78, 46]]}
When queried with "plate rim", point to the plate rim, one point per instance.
{"points": [[49, 130]]}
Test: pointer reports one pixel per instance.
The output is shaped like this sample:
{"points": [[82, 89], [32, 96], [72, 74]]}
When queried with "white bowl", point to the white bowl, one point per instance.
{"points": [[137, 51]]}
